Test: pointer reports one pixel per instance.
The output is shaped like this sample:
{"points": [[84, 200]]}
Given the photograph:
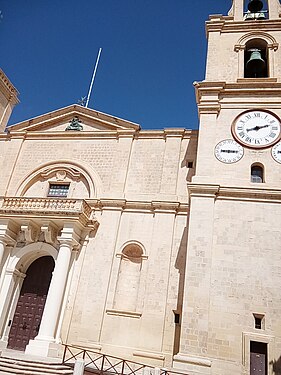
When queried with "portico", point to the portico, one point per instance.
{"points": [[44, 227]]}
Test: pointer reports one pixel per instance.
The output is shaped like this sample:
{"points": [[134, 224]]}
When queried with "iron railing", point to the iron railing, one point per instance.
{"points": [[104, 364]]}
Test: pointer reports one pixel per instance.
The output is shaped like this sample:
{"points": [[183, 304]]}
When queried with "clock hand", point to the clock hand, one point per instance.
{"points": [[264, 126], [256, 128]]}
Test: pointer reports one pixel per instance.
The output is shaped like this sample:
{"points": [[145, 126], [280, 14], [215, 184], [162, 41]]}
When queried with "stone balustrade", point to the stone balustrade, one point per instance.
{"points": [[47, 207]]}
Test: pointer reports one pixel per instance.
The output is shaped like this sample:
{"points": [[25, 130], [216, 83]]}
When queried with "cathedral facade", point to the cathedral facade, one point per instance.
{"points": [[159, 246]]}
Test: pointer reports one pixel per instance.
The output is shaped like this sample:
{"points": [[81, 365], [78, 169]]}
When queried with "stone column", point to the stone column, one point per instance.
{"points": [[12, 286], [55, 294], [2, 250], [44, 342], [8, 233]]}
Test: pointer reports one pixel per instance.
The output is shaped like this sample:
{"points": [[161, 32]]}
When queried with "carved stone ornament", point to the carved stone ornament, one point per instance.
{"points": [[50, 231], [75, 124], [29, 232], [61, 175]]}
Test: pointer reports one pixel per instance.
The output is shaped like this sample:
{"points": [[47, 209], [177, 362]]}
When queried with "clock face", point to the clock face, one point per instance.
{"points": [[257, 129], [276, 152], [228, 151]]}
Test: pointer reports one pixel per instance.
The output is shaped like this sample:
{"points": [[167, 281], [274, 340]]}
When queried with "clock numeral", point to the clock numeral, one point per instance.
{"points": [[239, 128], [272, 121], [266, 140], [272, 135], [242, 135], [247, 139], [248, 117], [274, 127], [257, 114], [257, 142]]}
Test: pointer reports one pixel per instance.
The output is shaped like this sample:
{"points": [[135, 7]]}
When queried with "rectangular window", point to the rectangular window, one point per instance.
{"points": [[258, 358], [58, 190]]}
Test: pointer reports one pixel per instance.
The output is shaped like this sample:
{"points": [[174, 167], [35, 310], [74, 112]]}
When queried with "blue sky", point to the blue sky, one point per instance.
{"points": [[153, 50]]}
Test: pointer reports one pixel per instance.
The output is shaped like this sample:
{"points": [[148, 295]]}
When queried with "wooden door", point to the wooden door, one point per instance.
{"points": [[30, 306], [258, 358]]}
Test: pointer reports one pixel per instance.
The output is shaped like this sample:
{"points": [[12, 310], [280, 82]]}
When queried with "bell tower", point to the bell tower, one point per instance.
{"points": [[230, 322], [8, 99]]}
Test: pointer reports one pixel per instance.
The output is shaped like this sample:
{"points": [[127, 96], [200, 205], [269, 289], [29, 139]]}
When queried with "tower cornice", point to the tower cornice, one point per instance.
{"points": [[210, 96], [226, 24]]}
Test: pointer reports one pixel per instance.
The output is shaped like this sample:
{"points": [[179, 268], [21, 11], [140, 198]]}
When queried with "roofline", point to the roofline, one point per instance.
{"points": [[74, 107]]}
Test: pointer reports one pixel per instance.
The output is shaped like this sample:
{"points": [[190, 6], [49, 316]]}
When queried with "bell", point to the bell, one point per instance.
{"points": [[261, 16], [256, 63], [255, 6]]}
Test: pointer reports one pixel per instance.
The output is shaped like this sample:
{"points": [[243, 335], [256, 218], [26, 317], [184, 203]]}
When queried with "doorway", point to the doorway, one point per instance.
{"points": [[258, 358], [27, 318]]}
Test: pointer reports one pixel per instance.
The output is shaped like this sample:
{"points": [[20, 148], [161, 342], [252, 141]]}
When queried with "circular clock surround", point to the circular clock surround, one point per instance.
{"points": [[258, 128], [229, 151], [276, 152]]}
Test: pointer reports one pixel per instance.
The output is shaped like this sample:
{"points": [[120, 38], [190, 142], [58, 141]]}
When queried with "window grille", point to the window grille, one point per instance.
{"points": [[58, 190]]}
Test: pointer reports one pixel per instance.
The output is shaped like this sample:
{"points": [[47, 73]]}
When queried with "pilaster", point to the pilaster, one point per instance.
{"points": [[195, 316]]}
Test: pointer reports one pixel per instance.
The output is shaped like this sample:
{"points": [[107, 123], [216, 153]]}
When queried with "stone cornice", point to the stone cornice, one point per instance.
{"points": [[249, 194], [255, 194], [86, 135], [209, 95], [8, 88], [226, 24], [136, 206]]}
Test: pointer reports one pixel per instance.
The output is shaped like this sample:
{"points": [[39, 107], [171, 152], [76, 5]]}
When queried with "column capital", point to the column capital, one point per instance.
{"points": [[69, 236], [8, 232]]}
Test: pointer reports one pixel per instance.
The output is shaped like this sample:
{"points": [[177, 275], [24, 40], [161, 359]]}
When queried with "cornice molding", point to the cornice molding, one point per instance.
{"points": [[86, 135], [209, 95], [226, 24], [252, 194], [143, 206], [8, 88]]}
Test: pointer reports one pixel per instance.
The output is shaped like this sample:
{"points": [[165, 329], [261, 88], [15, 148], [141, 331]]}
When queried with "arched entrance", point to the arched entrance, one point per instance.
{"points": [[30, 306]]}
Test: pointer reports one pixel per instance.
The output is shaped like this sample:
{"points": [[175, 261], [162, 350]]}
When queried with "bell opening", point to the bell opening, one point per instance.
{"points": [[256, 59], [255, 10], [255, 6]]}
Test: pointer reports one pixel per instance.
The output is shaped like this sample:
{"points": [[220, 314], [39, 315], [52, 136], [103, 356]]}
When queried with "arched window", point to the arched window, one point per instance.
{"points": [[256, 59], [257, 173], [128, 281]]}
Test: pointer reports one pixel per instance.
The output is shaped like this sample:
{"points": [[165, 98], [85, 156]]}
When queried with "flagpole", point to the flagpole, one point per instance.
{"points": [[93, 78]]}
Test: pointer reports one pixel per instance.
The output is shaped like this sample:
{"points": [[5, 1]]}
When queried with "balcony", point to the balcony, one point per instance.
{"points": [[51, 208]]}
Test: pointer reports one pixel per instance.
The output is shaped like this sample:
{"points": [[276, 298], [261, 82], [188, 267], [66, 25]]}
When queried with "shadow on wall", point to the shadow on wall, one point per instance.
{"points": [[180, 266], [190, 156], [276, 366]]}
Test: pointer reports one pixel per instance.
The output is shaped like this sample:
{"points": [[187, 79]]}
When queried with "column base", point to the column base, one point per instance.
{"points": [[3, 344], [42, 348], [192, 365]]}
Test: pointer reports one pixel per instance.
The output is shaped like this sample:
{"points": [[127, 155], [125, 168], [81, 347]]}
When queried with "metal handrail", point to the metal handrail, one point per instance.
{"points": [[104, 364]]}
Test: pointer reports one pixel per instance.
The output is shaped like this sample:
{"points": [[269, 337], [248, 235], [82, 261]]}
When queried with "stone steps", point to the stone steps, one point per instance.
{"points": [[25, 367]]}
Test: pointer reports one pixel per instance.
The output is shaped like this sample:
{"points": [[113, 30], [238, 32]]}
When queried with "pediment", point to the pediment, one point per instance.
{"points": [[87, 120]]}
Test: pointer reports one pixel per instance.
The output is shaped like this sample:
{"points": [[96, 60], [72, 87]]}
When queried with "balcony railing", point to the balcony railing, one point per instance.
{"points": [[46, 206], [103, 364]]}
